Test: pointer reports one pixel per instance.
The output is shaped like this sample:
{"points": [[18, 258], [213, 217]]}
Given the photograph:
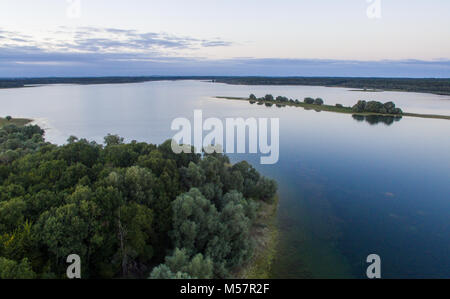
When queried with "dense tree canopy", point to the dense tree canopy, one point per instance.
{"points": [[128, 210], [376, 107]]}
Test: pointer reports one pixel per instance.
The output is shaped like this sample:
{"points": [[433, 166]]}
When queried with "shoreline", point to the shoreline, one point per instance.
{"points": [[265, 234], [344, 110]]}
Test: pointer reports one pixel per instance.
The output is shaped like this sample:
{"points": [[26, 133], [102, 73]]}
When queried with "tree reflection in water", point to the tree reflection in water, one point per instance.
{"points": [[376, 119]]}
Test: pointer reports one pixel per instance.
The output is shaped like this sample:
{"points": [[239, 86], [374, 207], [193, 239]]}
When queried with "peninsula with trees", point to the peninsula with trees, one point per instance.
{"points": [[364, 108], [129, 210]]}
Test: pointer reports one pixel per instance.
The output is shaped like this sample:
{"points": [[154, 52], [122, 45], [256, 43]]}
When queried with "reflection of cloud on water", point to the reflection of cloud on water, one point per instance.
{"points": [[41, 122], [395, 216], [421, 213], [389, 194]]}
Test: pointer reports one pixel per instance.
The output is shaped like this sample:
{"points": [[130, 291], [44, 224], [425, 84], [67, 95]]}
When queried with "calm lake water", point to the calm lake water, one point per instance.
{"points": [[348, 187]]}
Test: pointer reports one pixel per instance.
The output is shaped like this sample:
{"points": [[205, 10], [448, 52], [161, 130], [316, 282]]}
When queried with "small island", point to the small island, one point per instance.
{"points": [[364, 108]]}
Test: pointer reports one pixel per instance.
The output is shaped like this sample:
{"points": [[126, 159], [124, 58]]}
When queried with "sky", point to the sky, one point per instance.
{"points": [[375, 38]]}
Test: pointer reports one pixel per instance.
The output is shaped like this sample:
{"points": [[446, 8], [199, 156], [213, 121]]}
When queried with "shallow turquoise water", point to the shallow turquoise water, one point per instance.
{"points": [[348, 188]]}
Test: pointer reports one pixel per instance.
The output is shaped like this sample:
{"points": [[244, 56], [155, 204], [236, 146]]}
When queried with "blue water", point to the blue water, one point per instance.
{"points": [[347, 188]]}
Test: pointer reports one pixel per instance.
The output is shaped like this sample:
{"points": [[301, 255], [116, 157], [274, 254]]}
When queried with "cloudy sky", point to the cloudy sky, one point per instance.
{"points": [[406, 38]]}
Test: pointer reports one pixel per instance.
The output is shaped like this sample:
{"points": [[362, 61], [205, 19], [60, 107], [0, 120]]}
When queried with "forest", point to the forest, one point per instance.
{"points": [[427, 85], [129, 210], [430, 85]]}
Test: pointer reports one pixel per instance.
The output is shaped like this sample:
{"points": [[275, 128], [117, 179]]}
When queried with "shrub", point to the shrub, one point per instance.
{"points": [[268, 97], [318, 101], [309, 101], [360, 106], [376, 107]]}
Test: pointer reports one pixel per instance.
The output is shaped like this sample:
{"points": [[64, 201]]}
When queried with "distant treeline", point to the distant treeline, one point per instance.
{"points": [[22, 82], [436, 86], [428, 85]]}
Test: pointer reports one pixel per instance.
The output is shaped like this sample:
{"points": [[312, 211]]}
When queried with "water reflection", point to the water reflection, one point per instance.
{"points": [[376, 119]]}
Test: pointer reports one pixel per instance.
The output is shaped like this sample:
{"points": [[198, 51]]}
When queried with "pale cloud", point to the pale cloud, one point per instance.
{"points": [[107, 40]]}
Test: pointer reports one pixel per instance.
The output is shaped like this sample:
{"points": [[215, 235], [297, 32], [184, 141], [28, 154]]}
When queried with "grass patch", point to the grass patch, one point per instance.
{"points": [[14, 121]]}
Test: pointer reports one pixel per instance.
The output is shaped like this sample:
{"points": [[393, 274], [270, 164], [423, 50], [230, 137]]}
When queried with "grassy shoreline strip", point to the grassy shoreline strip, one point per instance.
{"points": [[346, 110], [14, 121], [265, 234]]}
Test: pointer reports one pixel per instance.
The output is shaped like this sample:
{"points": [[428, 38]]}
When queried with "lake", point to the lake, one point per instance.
{"points": [[348, 187]]}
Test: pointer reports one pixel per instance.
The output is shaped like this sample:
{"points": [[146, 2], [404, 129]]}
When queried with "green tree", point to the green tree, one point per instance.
{"points": [[195, 221], [15, 270], [113, 140], [318, 101], [11, 214]]}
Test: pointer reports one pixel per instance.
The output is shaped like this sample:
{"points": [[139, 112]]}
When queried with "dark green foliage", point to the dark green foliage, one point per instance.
{"points": [[318, 101], [282, 99], [15, 270], [122, 208], [376, 107], [430, 85], [308, 101], [18, 141], [181, 266], [268, 97]]}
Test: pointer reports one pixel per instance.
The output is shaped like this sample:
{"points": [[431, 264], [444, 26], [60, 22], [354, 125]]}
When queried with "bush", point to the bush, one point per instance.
{"points": [[268, 97], [309, 101], [376, 107], [318, 101], [360, 106], [282, 99]]}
